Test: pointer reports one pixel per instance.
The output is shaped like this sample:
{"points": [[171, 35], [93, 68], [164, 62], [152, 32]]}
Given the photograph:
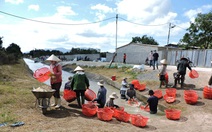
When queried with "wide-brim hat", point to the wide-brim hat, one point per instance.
{"points": [[100, 83], [53, 58], [113, 96], [163, 61], [78, 68]]}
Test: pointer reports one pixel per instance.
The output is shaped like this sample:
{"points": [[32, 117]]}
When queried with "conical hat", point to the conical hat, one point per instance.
{"points": [[113, 96], [163, 61], [78, 69], [53, 58]]}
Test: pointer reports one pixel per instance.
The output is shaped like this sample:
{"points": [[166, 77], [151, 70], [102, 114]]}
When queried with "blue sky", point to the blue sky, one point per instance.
{"points": [[67, 23]]}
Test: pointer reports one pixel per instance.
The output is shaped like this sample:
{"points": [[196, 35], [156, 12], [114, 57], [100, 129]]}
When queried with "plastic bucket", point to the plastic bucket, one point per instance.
{"points": [[89, 109], [173, 114], [113, 78], [69, 95], [90, 95], [139, 120], [193, 74]]}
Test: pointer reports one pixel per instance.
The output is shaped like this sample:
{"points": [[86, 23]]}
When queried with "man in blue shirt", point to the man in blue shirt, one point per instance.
{"points": [[101, 95], [152, 102]]}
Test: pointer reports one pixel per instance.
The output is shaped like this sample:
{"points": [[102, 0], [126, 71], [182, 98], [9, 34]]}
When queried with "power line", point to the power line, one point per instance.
{"points": [[142, 24], [53, 22]]}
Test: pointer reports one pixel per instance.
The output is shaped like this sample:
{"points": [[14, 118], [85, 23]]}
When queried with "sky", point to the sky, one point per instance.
{"points": [[99, 24]]}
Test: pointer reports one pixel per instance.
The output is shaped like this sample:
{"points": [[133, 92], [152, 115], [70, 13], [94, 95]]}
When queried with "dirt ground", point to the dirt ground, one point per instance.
{"points": [[194, 118]]}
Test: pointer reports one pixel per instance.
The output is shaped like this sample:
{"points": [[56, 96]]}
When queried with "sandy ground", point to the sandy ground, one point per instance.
{"points": [[194, 118]]}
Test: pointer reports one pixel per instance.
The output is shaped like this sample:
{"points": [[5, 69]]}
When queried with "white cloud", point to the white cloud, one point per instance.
{"points": [[14, 1], [33, 7], [143, 11], [65, 11], [101, 10], [191, 14]]}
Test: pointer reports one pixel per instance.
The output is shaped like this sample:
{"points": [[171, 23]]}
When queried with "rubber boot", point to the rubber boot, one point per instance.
{"points": [[182, 81], [55, 102], [78, 101], [83, 99], [58, 103], [160, 84]]}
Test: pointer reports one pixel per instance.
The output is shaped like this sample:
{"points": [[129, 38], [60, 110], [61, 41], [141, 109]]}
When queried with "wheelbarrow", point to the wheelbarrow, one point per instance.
{"points": [[43, 99]]}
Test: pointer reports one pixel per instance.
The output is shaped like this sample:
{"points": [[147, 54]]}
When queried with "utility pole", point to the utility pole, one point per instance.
{"points": [[116, 30]]}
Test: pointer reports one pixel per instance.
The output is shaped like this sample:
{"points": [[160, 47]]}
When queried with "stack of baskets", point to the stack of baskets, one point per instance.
{"points": [[138, 86], [173, 114], [207, 92], [170, 95], [190, 96]]}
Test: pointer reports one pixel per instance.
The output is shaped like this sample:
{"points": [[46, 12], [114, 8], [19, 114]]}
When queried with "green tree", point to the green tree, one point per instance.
{"points": [[14, 50], [200, 32], [1, 42], [144, 40]]}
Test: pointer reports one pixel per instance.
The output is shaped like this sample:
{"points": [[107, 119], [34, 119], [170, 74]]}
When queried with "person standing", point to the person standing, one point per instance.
{"points": [[124, 58], [56, 79], [163, 73], [123, 88], [181, 70], [155, 60], [101, 95], [152, 102], [150, 59], [79, 84]]}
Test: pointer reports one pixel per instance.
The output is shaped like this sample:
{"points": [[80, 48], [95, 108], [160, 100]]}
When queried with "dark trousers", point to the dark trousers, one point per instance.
{"points": [[82, 94], [56, 86]]}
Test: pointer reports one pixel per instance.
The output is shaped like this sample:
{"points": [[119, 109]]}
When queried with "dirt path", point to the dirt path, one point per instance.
{"points": [[194, 118]]}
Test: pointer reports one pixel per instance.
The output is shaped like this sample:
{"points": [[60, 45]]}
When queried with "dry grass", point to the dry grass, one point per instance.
{"points": [[15, 90]]}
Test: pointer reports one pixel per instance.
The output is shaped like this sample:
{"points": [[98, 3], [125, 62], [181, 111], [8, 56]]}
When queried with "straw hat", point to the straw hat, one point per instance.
{"points": [[53, 58], [100, 83], [163, 61], [78, 68], [113, 95]]}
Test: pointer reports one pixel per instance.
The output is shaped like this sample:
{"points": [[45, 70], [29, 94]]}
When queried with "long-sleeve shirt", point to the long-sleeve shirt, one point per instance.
{"points": [[101, 96]]}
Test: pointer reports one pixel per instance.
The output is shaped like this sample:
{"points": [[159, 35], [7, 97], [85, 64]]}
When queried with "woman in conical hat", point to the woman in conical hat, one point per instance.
{"points": [[56, 78], [79, 84], [163, 73]]}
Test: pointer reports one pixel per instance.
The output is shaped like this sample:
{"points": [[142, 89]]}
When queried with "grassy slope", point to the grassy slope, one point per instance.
{"points": [[16, 83]]}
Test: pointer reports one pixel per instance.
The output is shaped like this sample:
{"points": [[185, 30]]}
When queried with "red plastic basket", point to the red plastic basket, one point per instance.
{"points": [[116, 110], [138, 86], [193, 74], [105, 114], [90, 95], [190, 96], [123, 116], [139, 120], [158, 94], [173, 114], [42, 74], [207, 92], [171, 92], [69, 95], [169, 99], [145, 109], [89, 109]]}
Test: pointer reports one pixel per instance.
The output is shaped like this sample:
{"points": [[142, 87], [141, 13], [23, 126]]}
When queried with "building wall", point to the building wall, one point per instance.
{"points": [[92, 57], [136, 53]]}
